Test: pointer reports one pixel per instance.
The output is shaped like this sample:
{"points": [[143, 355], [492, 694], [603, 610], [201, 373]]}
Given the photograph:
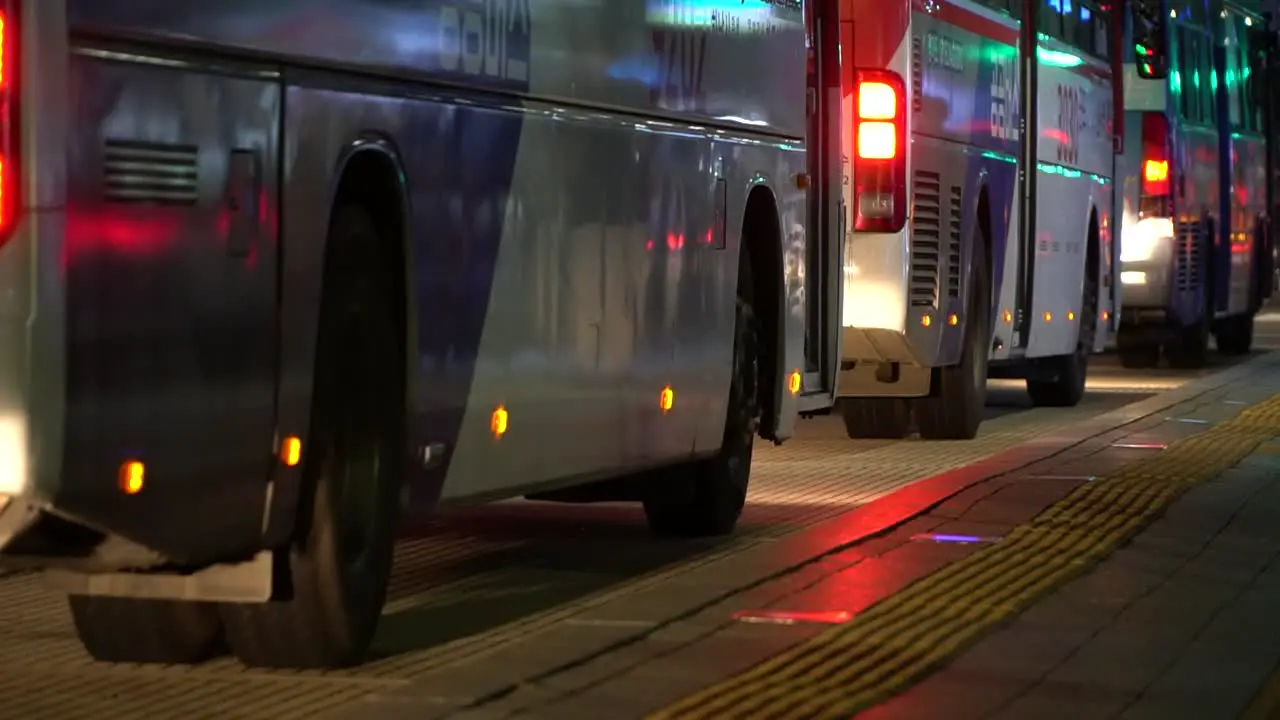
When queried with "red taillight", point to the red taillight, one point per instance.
{"points": [[879, 167], [8, 117], [1157, 166]]}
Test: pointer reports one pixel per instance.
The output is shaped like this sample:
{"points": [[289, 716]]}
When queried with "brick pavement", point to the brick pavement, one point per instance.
{"points": [[1182, 623], [1080, 653]]}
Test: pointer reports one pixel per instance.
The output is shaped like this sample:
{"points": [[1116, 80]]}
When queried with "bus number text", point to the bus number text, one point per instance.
{"points": [[1071, 119], [486, 38]]}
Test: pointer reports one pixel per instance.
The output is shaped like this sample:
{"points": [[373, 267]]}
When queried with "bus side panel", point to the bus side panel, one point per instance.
{"points": [[965, 140], [1247, 206], [170, 268], [552, 284], [729, 61], [1075, 161], [1196, 203]]}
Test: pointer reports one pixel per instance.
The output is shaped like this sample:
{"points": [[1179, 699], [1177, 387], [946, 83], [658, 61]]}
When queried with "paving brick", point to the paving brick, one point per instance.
{"points": [[1018, 503], [1065, 701], [960, 695], [957, 506], [1205, 682]]}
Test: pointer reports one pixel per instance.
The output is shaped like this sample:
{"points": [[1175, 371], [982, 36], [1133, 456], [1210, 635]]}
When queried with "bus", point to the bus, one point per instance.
{"points": [[981, 244], [275, 274], [1196, 255]]}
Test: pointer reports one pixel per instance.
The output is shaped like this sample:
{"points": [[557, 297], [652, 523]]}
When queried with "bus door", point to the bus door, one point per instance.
{"points": [[827, 208]]}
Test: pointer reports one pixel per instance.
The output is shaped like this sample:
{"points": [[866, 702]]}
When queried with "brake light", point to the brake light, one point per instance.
{"points": [[877, 141], [877, 101], [1157, 167], [879, 168], [1155, 172], [8, 117]]}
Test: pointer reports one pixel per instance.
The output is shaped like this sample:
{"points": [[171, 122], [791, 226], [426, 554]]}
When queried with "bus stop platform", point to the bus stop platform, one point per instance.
{"points": [[1133, 573], [1117, 559]]}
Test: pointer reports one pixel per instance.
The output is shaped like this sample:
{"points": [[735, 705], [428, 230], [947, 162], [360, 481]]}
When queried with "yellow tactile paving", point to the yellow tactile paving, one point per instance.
{"points": [[853, 666]]}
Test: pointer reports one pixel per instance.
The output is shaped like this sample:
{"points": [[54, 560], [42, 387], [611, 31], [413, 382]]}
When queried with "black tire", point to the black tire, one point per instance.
{"points": [[705, 498], [876, 418], [1234, 335], [1189, 348], [340, 562], [956, 409], [1136, 353], [1071, 371], [141, 630]]}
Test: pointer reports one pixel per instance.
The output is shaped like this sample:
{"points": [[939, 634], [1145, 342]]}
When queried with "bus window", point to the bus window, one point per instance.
{"points": [[1070, 22], [1083, 37], [1183, 69], [1051, 18], [1150, 39]]}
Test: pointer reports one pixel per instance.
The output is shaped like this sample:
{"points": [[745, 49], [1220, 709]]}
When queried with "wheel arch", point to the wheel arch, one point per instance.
{"points": [[984, 253], [762, 240], [369, 172]]}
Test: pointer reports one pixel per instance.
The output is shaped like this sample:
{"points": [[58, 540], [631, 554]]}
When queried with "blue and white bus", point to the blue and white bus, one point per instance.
{"points": [[981, 242], [274, 272], [1196, 251]]}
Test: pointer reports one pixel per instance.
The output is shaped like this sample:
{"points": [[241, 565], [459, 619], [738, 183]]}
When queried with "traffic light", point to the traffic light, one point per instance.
{"points": [[1151, 38]]}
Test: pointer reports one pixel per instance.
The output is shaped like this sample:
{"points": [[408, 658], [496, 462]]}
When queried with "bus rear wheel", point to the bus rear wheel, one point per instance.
{"points": [[1136, 351], [1189, 347], [706, 497], [340, 564], [1234, 335], [1071, 371], [955, 410], [876, 418], [143, 630]]}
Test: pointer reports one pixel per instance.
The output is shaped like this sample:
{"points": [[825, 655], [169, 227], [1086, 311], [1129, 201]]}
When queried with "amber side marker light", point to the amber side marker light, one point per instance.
{"points": [[794, 382], [498, 422], [667, 399], [132, 477], [291, 451]]}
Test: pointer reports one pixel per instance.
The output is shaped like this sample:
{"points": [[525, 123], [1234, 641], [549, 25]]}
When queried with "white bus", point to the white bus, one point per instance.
{"points": [[981, 243], [273, 271]]}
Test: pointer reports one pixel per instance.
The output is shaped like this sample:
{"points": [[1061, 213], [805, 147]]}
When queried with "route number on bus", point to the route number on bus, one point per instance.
{"points": [[1071, 119]]}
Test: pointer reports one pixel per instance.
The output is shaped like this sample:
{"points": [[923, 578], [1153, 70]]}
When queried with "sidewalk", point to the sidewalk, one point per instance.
{"points": [[1184, 622], [1164, 628], [1125, 575]]}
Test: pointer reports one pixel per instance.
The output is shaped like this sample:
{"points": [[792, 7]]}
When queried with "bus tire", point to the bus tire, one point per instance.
{"points": [[1234, 335], [1071, 372], [876, 418], [143, 630], [705, 498], [339, 564], [1136, 353], [955, 410]]}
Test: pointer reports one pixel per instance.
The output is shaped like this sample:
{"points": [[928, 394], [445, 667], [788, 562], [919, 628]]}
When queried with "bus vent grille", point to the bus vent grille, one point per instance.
{"points": [[917, 74], [1190, 263], [144, 172], [926, 238], [953, 244]]}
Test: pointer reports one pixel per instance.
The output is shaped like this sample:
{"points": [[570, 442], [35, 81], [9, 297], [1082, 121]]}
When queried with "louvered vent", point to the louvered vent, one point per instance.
{"points": [[926, 238], [1190, 262], [954, 217], [142, 172], [917, 74]]}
